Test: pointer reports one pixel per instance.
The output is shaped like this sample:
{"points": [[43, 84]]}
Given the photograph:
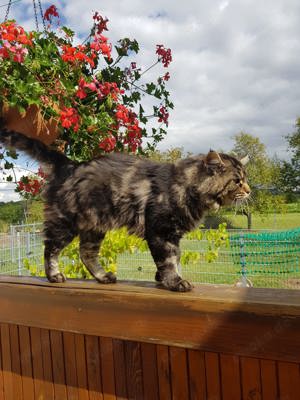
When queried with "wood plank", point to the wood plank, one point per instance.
{"points": [[26, 362], [15, 362], [251, 378], [289, 381], [164, 372], [269, 381], [134, 370], [120, 369], [81, 367], [213, 316], [197, 378], [230, 377], [58, 370], [6, 362], [107, 368], [1, 371], [284, 299], [212, 367], [37, 362], [179, 375], [149, 367], [70, 365], [47, 364], [93, 368]]}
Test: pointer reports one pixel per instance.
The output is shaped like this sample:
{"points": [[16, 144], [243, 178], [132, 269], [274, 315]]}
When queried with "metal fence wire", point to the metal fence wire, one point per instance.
{"points": [[261, 259]]}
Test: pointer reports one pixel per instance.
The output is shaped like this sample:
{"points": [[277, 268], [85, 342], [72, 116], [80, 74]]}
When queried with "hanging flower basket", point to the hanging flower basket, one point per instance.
{"points": [[31, 123], [85, 98]]}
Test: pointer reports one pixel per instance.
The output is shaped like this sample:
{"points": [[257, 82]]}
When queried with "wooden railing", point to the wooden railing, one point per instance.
{"points": [[81, 340]]}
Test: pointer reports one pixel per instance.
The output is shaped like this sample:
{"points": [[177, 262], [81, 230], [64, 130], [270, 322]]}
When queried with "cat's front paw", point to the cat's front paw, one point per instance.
{"points": [[57, 278], [177, 284], [108, 277], [182, 286]]}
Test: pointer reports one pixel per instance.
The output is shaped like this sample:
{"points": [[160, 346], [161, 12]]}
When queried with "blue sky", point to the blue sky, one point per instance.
{"points": [[236, 64]]}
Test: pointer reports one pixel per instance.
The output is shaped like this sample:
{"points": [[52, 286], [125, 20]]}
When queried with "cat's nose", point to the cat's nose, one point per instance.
{"points": [[246, 188]]}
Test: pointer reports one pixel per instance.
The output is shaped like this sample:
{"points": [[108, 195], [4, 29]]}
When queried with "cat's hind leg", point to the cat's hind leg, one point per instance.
{"points": [[57, 236], [89, 252], [166, 255]]}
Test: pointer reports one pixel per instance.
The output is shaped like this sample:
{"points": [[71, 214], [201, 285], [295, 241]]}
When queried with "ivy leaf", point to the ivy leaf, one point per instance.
{"points": [[8, 165]]}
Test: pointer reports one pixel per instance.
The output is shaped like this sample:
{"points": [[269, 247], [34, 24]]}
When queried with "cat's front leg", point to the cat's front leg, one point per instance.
{"points": [[166, 255]]}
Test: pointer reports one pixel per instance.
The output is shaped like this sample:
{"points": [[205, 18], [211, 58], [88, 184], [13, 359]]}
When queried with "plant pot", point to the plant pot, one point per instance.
{"points": [[31, 123]]}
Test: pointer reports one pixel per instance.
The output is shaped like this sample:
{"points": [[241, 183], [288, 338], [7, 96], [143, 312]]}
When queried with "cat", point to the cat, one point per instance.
{"points": [[156, 201]]}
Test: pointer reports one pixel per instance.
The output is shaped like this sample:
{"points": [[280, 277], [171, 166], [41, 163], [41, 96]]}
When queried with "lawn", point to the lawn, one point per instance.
{"points": [[266, 271], [267, 221]]}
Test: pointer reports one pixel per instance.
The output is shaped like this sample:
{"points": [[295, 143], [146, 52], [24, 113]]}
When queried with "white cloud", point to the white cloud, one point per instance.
{"points": [[236, 64]]}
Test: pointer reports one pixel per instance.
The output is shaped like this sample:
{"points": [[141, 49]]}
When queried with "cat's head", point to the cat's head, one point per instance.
{"points": [[230, 177]]}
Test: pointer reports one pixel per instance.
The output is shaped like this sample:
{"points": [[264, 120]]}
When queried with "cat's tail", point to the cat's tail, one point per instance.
{"points": [[34, 148]]}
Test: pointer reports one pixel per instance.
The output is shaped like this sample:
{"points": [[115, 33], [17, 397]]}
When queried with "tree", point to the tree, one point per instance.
{"points": [[170, 155], [12, 212], [262, 174], [290, 171]]}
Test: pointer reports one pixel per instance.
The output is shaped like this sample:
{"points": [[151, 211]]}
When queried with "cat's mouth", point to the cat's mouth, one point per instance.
{"points": [[233, 199]]}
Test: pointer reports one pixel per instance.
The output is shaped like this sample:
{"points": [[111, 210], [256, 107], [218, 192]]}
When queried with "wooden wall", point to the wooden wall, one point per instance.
{"points": [[52, 344]]}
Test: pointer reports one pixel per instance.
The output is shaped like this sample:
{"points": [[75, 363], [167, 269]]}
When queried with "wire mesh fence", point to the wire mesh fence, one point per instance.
{"points": [[267, 259]]}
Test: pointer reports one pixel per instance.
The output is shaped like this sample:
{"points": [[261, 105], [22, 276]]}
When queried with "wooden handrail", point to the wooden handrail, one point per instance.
{"points": [[261, 323]]}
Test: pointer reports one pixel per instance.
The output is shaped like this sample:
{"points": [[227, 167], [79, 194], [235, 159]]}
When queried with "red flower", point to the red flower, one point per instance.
{"points": [[108, 144], [122, 113], [166, 77], [51, 12], [100, 44], [100, 23], [163, 115], [165, 54], [72, 54], [69, 118]]}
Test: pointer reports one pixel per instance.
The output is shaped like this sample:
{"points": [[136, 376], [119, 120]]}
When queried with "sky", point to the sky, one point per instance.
{"points": [[236, 64]]}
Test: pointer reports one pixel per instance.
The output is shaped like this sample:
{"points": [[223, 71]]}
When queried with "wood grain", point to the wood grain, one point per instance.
{"points": [[206, 319], [289, 381], [212, 367], [179, 373], [149, 367], [57, 355], [93, 367], [6, 362], [83, 341], [15, 362], [134, 370], [107, 368], [251, 378], [269, 381], [230, 377], [120, 369], [26, 362], [197, 378], [163, 372]]}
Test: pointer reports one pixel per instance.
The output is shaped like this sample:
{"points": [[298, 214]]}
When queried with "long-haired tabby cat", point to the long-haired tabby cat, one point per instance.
{"points": [[156, 201]]}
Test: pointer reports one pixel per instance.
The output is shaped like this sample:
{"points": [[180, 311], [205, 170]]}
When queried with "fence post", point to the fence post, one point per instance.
{"points": [[19, 253], [243, 281], [11, 242]]}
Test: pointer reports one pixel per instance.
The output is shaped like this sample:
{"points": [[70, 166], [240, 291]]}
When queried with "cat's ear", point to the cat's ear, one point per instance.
{"points": [[245, 160], [213, 159]]}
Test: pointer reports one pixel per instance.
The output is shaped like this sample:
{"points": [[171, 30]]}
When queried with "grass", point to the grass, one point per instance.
{"points": [[140, 266], [267, 221]]}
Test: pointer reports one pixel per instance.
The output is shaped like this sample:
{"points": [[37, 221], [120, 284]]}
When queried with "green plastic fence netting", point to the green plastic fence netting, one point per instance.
{"points": [[267, 252]]}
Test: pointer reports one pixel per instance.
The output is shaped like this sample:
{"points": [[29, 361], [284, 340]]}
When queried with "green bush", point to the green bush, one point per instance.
{"points": [[118, 242]]}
